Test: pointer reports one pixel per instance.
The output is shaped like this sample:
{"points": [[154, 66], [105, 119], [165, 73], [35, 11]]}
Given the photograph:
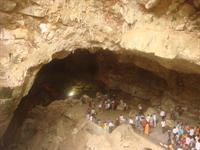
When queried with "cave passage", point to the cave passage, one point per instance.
{"points": [[76, 73], [83, 72]]}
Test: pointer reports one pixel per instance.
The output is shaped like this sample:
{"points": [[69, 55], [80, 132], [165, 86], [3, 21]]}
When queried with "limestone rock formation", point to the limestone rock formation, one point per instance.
{"points": [[7, 5], [37, 31], [149, 4], [35, 11]]}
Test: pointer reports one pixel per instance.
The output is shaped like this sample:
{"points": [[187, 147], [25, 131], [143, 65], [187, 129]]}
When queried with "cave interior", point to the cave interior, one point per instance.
{"points": [[85, 72]]}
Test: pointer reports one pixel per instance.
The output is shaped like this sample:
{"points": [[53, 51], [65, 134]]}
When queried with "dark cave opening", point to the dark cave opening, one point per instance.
{"points": [[56, 79], [54, 82], [85, 73]]}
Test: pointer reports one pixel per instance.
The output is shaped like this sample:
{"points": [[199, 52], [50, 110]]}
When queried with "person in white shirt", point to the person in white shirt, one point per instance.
{"points": [[110, 126], [148, 118], [196, 138], [162, 114], [191, 132], [88, 116], [93, 112], [151, 121], [197, 146], [140, 109], [131, 122], [108, 105], [187, 141], [175, 131], [91, 118], [154, 120], [121, 119], [100, 106], [163, 125], [137, 121], [125, 106]]}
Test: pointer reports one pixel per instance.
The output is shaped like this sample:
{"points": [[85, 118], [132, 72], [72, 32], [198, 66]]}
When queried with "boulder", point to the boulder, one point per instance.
{"points": [[186, 10], [34, 11], [149, 4], [43, 28], [172, 8], [180, 27], [20, 33], [152, 4]]}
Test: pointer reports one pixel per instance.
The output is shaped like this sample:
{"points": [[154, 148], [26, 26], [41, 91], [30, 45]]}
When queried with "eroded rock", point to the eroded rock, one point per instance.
{"points": [[20, 33], [167, 103], [149, 4], [196, 3], [35, 11], [7, 5], [180, 27], [5, 18], [119, 26], [186, 10]]}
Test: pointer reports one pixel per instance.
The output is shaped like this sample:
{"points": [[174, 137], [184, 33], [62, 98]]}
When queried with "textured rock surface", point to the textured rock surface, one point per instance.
{"points": [[149, 3], [45, 130], [40, 30], [7, 5]]}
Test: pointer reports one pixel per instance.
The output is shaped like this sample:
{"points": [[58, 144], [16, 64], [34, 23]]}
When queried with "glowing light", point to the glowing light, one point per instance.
{"points": [[71, 93]]}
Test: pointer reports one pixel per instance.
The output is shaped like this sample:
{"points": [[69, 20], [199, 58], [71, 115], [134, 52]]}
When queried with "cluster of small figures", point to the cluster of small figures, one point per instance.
{"points": [[184, 137], [141, 123], [181, 137], [106, 102]]}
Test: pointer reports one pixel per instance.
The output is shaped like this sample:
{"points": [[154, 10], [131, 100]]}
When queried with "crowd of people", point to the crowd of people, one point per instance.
{"points": [[181, 137], [184, 137]]}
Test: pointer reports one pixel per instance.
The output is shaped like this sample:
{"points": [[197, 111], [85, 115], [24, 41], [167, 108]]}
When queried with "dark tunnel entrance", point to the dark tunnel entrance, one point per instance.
{"points": [[83, 72], [56, 81], [75, 73], [79, 73]]}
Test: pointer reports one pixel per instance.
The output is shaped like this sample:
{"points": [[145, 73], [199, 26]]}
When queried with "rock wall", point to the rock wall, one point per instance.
{"points": [[144, 78], [33, 32]]}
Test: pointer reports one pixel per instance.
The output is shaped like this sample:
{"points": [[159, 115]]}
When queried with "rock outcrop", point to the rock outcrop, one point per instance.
{"points": [[149, 4], [43, 129], [33, 32]]}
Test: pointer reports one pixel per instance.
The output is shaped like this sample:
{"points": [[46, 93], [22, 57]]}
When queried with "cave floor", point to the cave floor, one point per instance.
{"points": [[36, 125], [43, 121]]}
